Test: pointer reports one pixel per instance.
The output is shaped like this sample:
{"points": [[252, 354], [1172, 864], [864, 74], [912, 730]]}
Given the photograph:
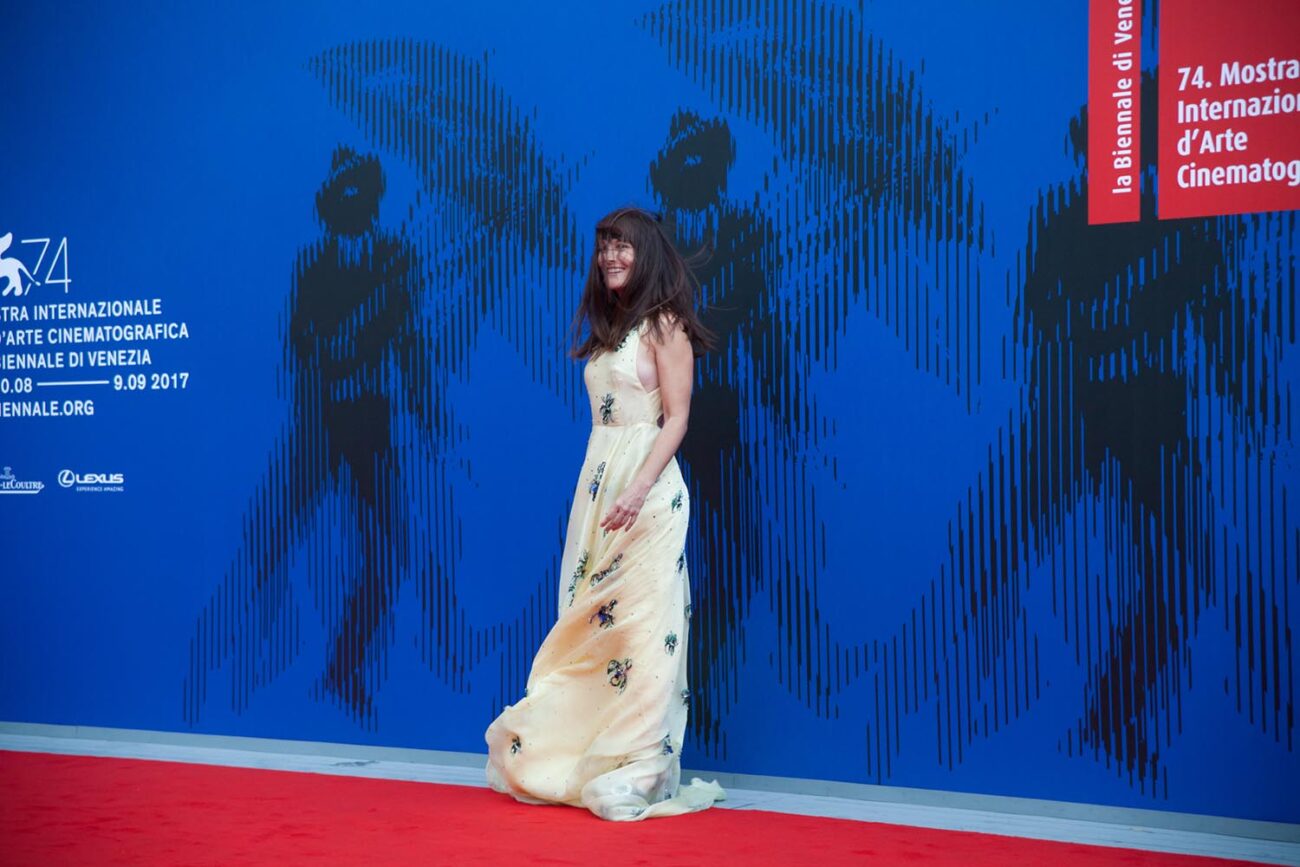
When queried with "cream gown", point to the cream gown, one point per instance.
{"points": [[604, 713]]}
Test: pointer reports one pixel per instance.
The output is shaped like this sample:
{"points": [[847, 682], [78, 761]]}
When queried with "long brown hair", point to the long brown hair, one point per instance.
{"points": [[661, 282]]}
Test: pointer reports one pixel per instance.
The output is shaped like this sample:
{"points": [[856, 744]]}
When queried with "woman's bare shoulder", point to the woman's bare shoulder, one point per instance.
{"points": [[669, 326]]}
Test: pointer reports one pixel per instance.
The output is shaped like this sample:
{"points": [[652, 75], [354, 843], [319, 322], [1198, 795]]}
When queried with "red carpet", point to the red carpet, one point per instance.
{"points": [[84, 811]]}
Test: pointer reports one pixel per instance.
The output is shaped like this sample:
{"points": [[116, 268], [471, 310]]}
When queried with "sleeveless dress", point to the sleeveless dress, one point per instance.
{"points": [[604, 713]]}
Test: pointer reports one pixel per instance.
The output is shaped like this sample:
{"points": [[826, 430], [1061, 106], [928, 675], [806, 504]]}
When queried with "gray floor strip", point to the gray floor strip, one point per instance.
{"points": [[1265, 842]]}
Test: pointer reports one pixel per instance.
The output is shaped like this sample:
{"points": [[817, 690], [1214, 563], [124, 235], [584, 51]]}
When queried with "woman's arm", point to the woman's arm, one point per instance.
{"points": [[675, 364]]}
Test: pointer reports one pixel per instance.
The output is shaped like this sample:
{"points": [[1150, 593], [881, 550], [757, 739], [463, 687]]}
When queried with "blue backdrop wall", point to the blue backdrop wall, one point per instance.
{"points": [[986, 499]]}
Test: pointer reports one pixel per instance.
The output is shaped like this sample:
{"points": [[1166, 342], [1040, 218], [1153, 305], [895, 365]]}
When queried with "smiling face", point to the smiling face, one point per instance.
{"points": [[615, 256]]}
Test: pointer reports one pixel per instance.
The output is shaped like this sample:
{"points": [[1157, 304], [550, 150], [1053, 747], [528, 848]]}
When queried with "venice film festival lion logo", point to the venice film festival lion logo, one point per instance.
{"points": [[12, 269]]}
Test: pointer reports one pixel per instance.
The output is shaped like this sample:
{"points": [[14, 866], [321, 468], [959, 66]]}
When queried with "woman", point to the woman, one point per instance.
{"points": [[604, 713]]}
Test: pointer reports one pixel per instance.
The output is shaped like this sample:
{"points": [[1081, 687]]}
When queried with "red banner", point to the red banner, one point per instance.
{"points": [[1229, 107], [1114, 111]]}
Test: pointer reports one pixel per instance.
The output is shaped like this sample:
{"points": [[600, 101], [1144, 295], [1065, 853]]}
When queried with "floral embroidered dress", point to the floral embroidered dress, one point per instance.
{"points": [[602, 719]]}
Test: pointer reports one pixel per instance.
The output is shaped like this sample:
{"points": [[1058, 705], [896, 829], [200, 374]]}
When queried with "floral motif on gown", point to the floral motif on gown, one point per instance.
{"points": [[604, 705]]}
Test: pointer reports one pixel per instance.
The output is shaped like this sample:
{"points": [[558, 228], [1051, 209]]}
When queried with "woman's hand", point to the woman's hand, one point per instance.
{"points": [[626, 508]]}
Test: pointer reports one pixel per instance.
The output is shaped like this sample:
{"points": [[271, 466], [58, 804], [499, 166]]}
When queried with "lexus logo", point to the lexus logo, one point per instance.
{"points": [[67, 478]]}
